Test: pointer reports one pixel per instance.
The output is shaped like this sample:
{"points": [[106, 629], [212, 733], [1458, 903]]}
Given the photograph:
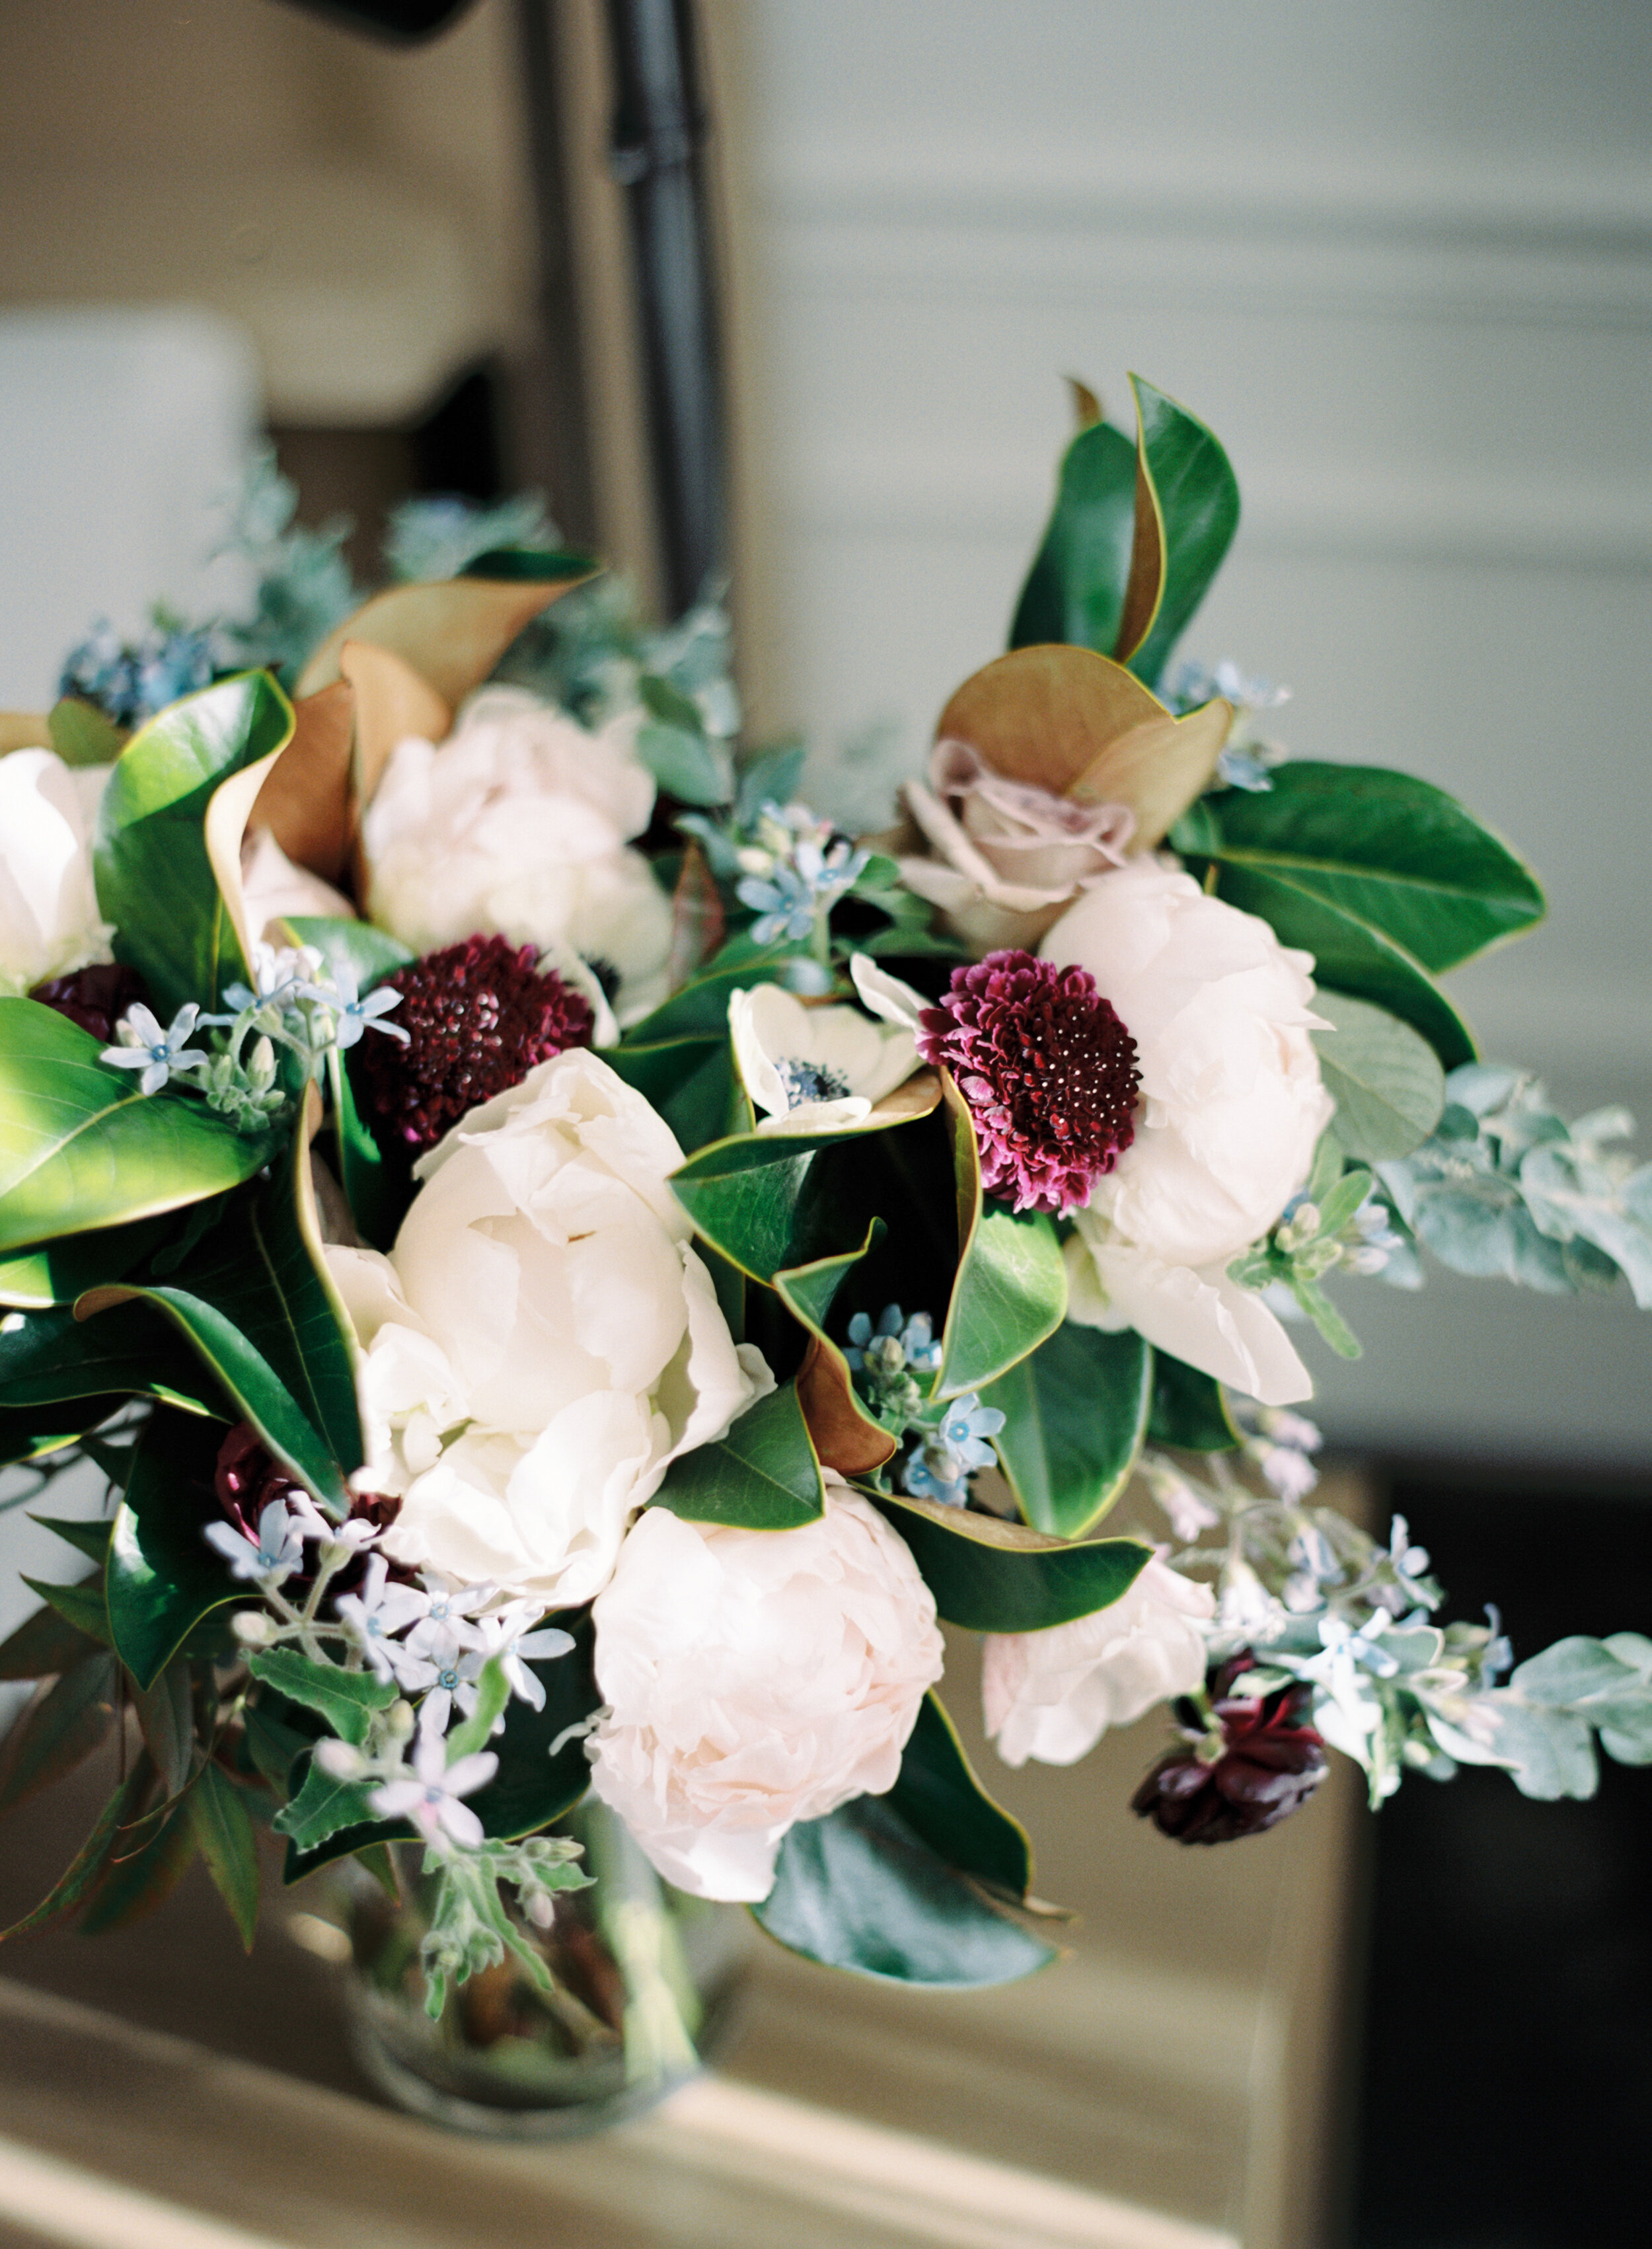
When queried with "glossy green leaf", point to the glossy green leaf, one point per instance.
{"points": [[346, 1699], [1193, 495], [50, 1356], [81, 1604], [84, 735], [991, 1576], [90, 1538], [166, 1716], [1075, 590], [89, 1861], [1075, 1413], [377, 1190], [224, 1836], [854, 1437], [1390, 850], [81, 1148], [43, 1645], [1350, 955], [1188, 1409], [360, 949], [531, 566], [532, 1786], [946, 1806], [1385, 1078], [700, 1009], [35, 1431], [859, 1889], [154, 877], [163, 1577], [57, 1272], [763, 1475], [59, 1730], [148, 1861], [1010, 1291], [690, 1082]]}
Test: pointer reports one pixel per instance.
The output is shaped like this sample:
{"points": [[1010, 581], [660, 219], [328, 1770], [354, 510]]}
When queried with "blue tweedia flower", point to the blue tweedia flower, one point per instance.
{"points": [[920, 1481], [129, 681], [142, 1045], [898, 1346], [353, 1015], [279, 1551], [966, 1427], [795, 871]]}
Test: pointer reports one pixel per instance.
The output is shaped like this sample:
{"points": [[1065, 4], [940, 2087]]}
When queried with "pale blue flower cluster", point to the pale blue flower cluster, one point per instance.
{"points": [[129, 681], [795, 870]]}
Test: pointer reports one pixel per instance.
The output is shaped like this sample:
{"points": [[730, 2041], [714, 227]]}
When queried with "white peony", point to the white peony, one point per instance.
{"points": [[1231, 1105], [49, 920], [1052, 1694], [755, 1678], [541, 1341], [521, 824]]}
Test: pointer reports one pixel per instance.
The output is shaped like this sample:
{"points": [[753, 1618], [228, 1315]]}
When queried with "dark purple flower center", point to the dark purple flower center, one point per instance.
{"points": [[1048, 1072], [478, 1017]]}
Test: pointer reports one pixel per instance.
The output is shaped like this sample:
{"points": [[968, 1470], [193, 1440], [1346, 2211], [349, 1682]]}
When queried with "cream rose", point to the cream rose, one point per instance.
{"points": [[521, 824], [542, 1342], [1005, 857], [755, 1678], [1231, 1105], [1052, 1694], [49, 919]]}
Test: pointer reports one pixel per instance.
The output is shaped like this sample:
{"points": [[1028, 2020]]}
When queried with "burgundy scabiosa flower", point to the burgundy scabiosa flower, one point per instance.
{"points": [[1269, 1765], [1048, 1072], [478, 1017], [96, 998]]}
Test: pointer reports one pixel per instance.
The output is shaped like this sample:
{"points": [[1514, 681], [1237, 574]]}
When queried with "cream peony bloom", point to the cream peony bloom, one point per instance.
{"points": [[755, 1678], [542, 1342], [1231, 1105], [813, 1070], [1052, 1694], [521, 824], [49, 920]]}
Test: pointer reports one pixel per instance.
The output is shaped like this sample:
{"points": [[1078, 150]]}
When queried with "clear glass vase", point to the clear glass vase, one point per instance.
{"points": [[644, 1982]]}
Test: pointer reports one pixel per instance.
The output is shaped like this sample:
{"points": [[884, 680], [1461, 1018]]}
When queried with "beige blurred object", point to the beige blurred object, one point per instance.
{"points": [[363, 211], [1175, 2083]]}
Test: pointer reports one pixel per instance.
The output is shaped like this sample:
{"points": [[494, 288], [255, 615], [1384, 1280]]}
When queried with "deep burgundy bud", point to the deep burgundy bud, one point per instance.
{"points": [[478, 1017], [1048, 1072], [1270, 1764], [96, 998]]}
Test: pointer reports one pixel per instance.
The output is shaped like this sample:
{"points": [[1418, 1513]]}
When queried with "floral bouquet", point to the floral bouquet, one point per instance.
{"points": [[573, 1268]]}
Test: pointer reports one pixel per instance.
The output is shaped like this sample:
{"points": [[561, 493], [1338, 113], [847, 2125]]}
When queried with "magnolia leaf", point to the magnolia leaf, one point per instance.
{"points": [[81, 1149], [50, 1356], [945, 1804], [1075, 1413], [1186, 512], [860, 1889], [157, 842], [451, 633], [164, 1577], [532, 1786], [762, 1475], [305, 800], [844, 1434], [1010, 1291], [82, 734], [991, 1576], [57, 1272], [394, 701], [1075, 590], [1074, 723], [1386, 849]]}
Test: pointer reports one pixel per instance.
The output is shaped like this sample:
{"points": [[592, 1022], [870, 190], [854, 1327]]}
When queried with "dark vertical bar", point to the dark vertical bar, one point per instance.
{"points": [[659, 130], [555, 431]]}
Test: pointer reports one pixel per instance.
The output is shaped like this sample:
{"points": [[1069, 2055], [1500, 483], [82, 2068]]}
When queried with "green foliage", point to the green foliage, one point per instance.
{"points": [[153, 875], [1195, 496], [127, 1351], [690, 1081], [860, 1889], [429, 538], [81, 1148], [303, 586], [43, 1645], [674, 745], [1075, 590], [150, 1859], [223, 1832], [60, 1730], [346, 1699], [89, 1862], [1188, 1409], [536, 1782], [323, 1808], [992, 1576], [1010, 1291], [1311, 1239], [1075, 1415], [81, 1604], [59, 1271], [946, 1806], [762, 1475], [1505, 1186], [163, 1578], [1385, 1078]]}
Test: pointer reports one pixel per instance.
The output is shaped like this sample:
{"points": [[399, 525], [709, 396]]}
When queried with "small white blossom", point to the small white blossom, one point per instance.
{"points": [[141, 1044], [375, 1615], [277, 1552], [430, 1798]]}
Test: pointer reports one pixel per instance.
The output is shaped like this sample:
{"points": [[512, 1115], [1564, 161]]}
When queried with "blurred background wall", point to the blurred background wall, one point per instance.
{"points": [[1399, 255]]}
